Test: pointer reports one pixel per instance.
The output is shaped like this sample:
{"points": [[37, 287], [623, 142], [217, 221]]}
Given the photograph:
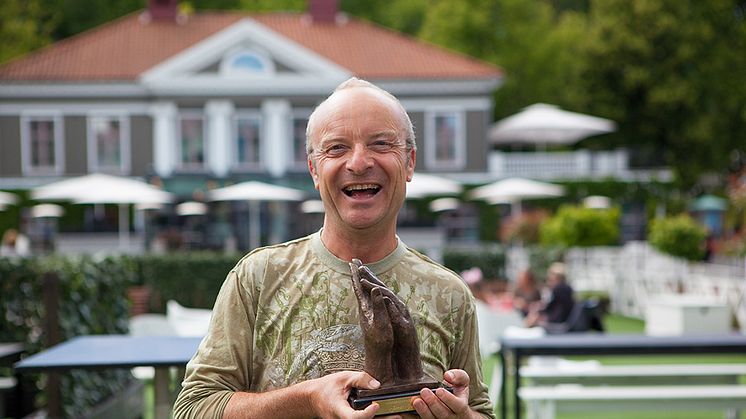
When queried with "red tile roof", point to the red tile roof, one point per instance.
{"points": [[123, 49]]}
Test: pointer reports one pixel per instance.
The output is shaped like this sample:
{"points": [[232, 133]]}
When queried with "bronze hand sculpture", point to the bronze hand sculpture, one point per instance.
{"points": [[392, 352]]}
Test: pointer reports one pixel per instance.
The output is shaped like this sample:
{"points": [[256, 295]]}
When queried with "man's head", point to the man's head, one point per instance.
{"points": [[361, 153], [555, 274]]}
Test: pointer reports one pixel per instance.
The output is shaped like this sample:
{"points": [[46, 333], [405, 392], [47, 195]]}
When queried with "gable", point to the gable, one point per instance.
{"points": [[245, 58]]}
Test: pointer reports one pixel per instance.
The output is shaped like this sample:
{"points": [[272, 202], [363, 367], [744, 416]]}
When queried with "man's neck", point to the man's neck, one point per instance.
{"points": [[368, 246]]}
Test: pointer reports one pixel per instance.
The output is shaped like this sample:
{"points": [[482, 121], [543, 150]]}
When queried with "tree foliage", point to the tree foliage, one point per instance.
{"points": [[25, 25], [582, 227], [678, 236]]}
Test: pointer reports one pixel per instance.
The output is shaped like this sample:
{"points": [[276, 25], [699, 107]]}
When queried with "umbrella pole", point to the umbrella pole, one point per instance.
{"points": [[254, 225], [124, 229]]}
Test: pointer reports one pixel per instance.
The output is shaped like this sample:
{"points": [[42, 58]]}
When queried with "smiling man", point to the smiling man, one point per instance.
{"points": [[285, 338]]}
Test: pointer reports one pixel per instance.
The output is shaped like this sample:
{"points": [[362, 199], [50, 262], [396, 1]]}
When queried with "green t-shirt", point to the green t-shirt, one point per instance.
{"points": [[287, 313]]}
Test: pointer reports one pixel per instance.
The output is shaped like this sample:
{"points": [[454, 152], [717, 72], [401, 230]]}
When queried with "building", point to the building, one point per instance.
{"points": [[215, 98]]}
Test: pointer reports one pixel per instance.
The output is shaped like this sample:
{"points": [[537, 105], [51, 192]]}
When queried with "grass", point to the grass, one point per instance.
{"points": [[619, 324]]}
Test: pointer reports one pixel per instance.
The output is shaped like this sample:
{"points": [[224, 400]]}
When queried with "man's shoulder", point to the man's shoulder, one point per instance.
{"points": [[422, 266], [275, 254]]}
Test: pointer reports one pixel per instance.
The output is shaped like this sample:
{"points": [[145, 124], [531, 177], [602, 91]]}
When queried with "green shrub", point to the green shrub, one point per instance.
{"points": [[92, 301], [490, 260], [193, 279], [577, 226], [678, 236]]}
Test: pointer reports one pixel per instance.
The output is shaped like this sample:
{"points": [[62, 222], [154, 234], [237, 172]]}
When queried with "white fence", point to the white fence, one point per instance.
{"points": [[635, 274]]}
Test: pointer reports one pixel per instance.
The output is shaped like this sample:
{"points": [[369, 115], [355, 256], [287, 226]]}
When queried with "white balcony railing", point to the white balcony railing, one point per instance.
{"points": [[567, 165]]}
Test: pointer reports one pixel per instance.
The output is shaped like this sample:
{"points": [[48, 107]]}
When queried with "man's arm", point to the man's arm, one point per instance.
{"points": [[324, 397]]}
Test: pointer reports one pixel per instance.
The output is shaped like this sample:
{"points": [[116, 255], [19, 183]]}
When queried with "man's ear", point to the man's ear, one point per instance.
{"points": [[411, 160], [314, 175]]}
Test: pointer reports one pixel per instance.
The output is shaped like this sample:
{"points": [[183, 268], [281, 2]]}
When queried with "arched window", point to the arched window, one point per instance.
{"points": [[247, 62]]}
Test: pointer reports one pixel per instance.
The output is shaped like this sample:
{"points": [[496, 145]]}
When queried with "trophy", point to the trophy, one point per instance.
{"points": [[392, 353]]}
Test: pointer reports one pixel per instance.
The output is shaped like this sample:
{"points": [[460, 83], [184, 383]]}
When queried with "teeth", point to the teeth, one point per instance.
{"points": [[361, 187]]}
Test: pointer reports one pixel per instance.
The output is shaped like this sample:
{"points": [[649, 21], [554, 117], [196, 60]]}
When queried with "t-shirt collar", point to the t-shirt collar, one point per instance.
{"points": [[342, 266]]}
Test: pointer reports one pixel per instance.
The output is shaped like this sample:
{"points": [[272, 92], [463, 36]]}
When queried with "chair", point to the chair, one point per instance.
{"points": [[188, 321], [585, 316]]}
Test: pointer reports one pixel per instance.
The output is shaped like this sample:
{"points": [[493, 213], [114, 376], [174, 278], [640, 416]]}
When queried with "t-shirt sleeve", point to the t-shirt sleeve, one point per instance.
{"points": [[468, 358], [222, 364]]}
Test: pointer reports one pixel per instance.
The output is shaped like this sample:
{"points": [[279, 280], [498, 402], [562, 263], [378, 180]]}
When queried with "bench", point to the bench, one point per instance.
{"points": [[543, 402], [669, 374]]}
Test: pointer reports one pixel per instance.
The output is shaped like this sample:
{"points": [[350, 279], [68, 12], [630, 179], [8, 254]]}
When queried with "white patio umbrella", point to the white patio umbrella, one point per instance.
{"points": [[424, 185], [255, 192], [548, 124], [98, 188], [7, 198], [191, 208], [47, 211], [514, 190]]}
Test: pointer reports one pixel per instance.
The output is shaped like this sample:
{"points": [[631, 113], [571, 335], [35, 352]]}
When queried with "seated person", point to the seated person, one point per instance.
{"points": [[526, 292], [560, 302]]}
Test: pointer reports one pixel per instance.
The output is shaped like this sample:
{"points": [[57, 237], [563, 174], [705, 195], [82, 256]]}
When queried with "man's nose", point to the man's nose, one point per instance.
{"points": [[360, 159]]}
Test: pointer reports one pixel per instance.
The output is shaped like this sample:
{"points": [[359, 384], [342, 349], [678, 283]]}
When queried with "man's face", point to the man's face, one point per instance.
{"points": [[361, 163]]}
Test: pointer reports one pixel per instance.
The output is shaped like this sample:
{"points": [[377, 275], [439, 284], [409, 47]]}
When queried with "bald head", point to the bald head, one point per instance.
{"points": [[321, 113]]}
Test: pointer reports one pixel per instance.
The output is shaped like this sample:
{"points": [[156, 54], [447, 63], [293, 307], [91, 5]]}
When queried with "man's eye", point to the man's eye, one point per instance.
{"points": [[336, 149], [382, 145]]}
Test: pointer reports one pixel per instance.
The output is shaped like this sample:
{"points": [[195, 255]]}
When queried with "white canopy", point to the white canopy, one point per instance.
{"points": [[99, 188], [7, 198], [47, 211], [191, 208], [514, 190], [423, 185], [254, 192], [548, 124]]}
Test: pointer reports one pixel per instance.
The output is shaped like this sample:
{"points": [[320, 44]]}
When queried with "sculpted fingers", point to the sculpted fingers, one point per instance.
{"points": [[366, 273], [362, 297]]}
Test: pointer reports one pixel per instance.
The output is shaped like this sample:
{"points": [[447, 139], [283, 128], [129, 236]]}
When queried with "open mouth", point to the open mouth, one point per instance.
{"points": [[364, 190]]}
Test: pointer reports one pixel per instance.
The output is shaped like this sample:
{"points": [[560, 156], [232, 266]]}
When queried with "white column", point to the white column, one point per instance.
{"points": [[276, 139], [219, 113], [164, 137]]}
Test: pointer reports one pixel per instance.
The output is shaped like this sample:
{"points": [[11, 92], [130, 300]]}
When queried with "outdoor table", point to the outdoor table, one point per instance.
{"points": [[10, 352], [119, 351], [600, 344]]}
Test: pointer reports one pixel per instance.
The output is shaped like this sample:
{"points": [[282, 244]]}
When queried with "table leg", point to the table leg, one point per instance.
{"points": [[162, 393], [517, 384], [503, 385]]}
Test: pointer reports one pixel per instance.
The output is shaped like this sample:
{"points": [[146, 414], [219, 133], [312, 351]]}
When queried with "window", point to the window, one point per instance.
{"points": [[108, 144], [247, 144], [42, 148], [191, 141], [444, 133], [298, 158], [247, 62]]}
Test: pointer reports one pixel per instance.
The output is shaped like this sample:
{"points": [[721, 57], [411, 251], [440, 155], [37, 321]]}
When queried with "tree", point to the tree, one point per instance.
{"points": [[671, 73], [24, 26], [579, 226]]}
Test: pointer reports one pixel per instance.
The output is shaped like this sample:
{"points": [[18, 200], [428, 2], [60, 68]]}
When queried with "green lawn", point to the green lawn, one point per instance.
{"points": [[619, 324]]}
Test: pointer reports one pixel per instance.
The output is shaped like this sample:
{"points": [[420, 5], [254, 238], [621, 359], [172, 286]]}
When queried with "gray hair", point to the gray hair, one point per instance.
{"points": [[354, 82]]}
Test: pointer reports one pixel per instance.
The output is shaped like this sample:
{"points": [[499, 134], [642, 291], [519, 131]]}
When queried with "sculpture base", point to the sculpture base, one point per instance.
{"points": [[392, 399]]}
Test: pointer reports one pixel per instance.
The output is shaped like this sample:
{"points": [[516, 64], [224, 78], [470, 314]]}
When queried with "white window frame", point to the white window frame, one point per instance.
{"points": [[459, 161], [192, 167], [124, 144], [227, 68], [59, 143], [298, 165], [243, 166]]}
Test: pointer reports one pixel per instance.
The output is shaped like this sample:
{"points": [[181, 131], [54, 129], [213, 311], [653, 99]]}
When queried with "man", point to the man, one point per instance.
{"points": [[285, 338], [560, 302]]}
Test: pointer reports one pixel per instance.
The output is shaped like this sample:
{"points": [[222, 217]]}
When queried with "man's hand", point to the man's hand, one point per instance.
{"points": [[442, 404], [328, 395], [324, 397]]}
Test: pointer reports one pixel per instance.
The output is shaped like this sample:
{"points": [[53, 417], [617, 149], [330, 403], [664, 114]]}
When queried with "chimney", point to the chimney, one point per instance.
{"points": [[162, 9], [323, 11]]}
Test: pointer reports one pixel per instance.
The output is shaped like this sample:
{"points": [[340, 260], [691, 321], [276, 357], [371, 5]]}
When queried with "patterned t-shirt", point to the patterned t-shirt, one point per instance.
{"points": [[287, 313]]}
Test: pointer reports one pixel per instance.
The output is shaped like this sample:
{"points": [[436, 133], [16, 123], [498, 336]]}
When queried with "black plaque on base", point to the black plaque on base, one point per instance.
{"points": [[394, 399]]}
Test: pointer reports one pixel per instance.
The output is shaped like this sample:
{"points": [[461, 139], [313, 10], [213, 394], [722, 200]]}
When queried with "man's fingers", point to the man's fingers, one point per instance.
{"points": [[459, 380], [435, 406], [361, 379]]}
